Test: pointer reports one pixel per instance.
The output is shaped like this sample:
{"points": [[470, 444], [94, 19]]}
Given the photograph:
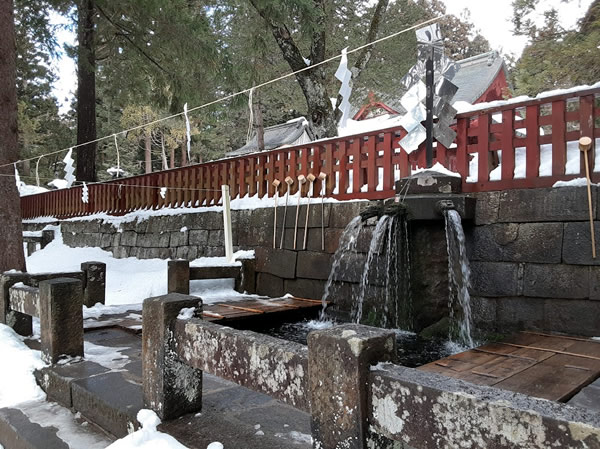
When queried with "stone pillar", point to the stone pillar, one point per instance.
{"points": [[178, 274], [339, 361], [170, 387], [20, 322], [31, 247], [247, 279], [61, 319], [47, 237], [94, 286]]}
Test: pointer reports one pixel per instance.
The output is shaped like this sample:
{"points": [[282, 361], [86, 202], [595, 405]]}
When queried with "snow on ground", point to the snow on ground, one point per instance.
{"points": [[130, 280], [150, 438], [17, 384]]}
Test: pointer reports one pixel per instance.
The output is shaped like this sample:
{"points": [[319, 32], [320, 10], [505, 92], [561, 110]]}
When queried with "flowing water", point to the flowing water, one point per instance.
{"points": [[459, 281], [346, 246]]}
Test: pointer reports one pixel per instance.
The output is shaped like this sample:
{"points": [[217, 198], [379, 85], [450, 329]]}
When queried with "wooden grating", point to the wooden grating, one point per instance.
{"points": [[552, 367]]}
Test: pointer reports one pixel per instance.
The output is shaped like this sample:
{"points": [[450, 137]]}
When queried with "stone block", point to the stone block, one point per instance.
{"points": [[429, 182], [269, 285], [280, 263], [247, 281], [159, 224], [94, 286], [484, 312], [595, 283], [20, 322], [61, 319], [572, 316], [109, 400], [556, 281], [214, 251], [341, 214], [158, 240], [88, 226], [198, 237], [106, 240], [487, 207], [216, 238], [150, 253], [121, 252], [492, 279], [518, 314], [339, 365], [512, 242], [577, 243], [178, 238], [170, 387], [350, 268], [47, 237], [537, 205], [313, 265], [129, 238], [178, 276], [305, 288], [116, 240], [331, 239]]}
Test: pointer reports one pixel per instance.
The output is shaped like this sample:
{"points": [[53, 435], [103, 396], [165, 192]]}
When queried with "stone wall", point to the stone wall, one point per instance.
{"points": [[531, 261], [530, 256]]}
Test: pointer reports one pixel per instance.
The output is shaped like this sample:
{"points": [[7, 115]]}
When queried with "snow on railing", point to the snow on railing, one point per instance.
{"points": [[520, 143]]}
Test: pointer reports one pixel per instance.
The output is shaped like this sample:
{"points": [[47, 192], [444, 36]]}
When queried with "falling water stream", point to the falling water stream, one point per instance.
{"points": [[459, 281], [347, 245]]}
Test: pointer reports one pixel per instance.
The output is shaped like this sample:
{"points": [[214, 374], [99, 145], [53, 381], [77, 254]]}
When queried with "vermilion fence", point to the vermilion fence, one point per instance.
{"points": [[517, 145]]}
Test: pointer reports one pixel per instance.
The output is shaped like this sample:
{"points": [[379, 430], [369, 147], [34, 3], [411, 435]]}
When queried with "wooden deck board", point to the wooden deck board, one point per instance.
{"points": [[546, 366], [247, 308]]}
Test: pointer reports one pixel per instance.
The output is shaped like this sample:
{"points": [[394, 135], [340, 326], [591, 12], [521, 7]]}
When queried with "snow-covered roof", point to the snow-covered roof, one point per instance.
{"points": [[288, 133], [474, 77], [476, 74]]}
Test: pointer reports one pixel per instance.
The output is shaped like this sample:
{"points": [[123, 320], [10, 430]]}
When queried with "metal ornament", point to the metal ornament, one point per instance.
{"points": [[69, 169], [344, 76], [437, 94]]}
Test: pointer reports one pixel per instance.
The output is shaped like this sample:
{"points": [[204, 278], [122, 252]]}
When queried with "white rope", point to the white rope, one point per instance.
{"points": [[242, 92], [251, 117]]}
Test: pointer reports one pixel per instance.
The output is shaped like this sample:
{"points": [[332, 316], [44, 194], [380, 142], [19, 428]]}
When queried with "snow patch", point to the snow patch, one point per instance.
{"points": [[147, 437], [186, 313], [437, 167], [17, 384]]}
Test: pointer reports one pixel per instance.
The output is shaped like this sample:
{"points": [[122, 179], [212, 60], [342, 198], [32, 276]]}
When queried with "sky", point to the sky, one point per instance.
{"points": [[491, 17]]}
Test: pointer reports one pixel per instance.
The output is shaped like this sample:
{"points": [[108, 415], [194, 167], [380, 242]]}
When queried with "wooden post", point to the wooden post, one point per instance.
{"points": [[227, 223], [585, 143]]}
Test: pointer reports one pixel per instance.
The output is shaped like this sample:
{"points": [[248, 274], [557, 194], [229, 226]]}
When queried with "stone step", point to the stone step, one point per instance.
{"points": [[47, 425]]}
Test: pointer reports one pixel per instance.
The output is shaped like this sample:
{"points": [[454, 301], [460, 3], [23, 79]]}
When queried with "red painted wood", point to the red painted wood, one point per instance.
{"points": [[483, 143], [586, 128], [462, 156], [388, 168], [508, 148], [532, 155], [559, 138]]}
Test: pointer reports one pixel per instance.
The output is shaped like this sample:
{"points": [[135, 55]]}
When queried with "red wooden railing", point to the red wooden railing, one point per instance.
{"points": [[363, 166]]}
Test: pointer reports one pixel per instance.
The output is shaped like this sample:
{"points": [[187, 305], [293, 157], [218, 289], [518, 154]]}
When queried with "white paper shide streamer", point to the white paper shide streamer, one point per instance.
{"points": [[85, 194], [162, 192], [69, 169], [344, 76], [187, 130], [17, 178]]}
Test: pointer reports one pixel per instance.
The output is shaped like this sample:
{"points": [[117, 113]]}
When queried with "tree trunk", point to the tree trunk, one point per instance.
{"points": [[322, 116], [86, 92], [148, 152], [11, 237], [184, 160], [258, 122], [163, 153], [172, 157]]}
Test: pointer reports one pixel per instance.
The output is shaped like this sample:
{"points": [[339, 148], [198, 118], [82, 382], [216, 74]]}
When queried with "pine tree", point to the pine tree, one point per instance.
{"points": [[11, 237]]}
